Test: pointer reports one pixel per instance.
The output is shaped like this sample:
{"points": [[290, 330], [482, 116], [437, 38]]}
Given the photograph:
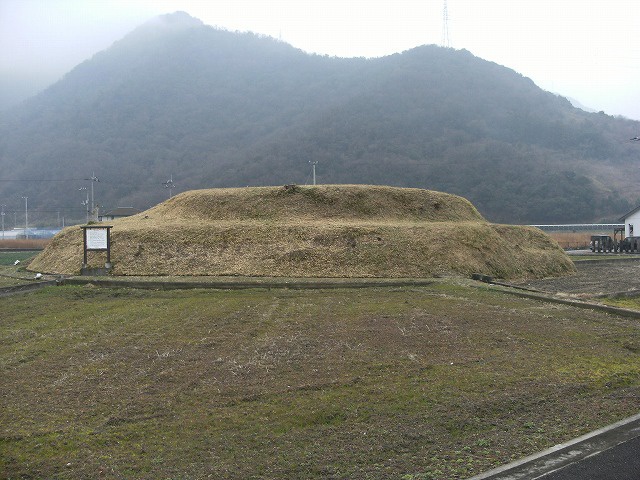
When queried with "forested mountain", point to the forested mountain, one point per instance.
{"points": [[214, 108]]}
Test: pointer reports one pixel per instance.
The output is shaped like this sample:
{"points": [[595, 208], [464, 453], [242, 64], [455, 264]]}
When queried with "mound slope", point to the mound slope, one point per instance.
{"points": [[320, 231]]}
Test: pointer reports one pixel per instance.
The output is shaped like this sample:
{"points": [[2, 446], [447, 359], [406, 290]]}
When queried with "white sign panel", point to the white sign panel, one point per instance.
{"points": [[96, 238]]}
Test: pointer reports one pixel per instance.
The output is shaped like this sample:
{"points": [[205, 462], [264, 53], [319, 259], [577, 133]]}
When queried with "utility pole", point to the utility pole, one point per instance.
{"points": [[26, 217], [85, 202], [313, 165], [2, 216], [170, 185], [93, 179]]}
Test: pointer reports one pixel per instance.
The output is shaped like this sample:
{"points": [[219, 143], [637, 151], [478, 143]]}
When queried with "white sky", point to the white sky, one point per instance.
{"points": [[585, 49]]}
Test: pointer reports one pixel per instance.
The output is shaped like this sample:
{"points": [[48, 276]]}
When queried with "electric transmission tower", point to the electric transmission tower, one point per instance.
{"points": [[445, 26]]}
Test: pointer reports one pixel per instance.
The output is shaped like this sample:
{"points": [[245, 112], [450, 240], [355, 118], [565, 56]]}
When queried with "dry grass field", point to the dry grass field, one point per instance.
{"points": [[431, 383], [323, 231], [31, 244], [572, 240]]}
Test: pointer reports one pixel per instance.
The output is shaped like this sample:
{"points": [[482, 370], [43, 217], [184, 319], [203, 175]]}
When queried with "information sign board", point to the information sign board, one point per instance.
{"points": [[97, 238]]}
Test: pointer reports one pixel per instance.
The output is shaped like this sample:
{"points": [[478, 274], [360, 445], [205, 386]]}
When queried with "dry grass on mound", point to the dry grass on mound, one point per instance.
{"points": [[328, 231], [324, 202]]}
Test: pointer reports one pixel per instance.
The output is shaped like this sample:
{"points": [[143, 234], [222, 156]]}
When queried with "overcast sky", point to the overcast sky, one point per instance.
{"points": [[585, 49]]}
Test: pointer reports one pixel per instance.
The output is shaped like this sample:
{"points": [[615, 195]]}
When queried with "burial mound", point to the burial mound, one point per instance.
{"points": [[314, 231]]}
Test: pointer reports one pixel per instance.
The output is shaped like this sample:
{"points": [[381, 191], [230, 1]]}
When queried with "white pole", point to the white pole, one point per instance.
{"points": [[26, 217], [93, 205], [2, 215], [85, 202], [313, 165], [169, 184]]}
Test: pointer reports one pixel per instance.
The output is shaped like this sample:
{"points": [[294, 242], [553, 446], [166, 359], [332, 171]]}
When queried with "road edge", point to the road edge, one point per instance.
{"points": [[559, 456]]}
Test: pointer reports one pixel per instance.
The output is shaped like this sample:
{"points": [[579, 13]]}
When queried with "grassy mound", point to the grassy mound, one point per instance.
{"points": [[323, 231]]}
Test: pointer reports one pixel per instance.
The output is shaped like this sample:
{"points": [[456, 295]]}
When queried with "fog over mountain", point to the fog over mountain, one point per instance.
{"points": [[212, 108]]}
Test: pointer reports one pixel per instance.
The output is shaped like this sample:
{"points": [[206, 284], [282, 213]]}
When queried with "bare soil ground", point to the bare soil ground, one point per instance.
{"points": [[598, 277]]}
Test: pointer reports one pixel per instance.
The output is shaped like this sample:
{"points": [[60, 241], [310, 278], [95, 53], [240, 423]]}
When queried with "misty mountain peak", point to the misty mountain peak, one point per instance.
{"points": [[163, 25], [176, 20]]}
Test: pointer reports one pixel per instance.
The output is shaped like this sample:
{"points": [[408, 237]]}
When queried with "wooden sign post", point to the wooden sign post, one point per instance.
{"points": [[97, 238]]}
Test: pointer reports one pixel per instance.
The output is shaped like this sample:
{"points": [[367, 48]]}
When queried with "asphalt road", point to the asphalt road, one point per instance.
{"points": [[621, 462], [611, 453]]}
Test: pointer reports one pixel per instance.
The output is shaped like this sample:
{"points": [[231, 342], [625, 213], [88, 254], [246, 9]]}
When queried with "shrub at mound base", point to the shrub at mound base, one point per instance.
{"points": [[320, 231]]}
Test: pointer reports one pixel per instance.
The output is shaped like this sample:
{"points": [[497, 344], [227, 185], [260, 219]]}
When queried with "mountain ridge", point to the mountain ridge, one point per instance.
{"points": [[220, 109]]}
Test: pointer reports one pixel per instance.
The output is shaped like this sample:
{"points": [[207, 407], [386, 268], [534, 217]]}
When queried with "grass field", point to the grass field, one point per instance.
{"points": [[623, 302], [10, 274], [9, 281], [9, 258], [435, 382]]}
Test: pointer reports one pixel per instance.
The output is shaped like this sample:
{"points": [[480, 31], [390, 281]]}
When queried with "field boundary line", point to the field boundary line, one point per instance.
{"points": [[26, 287]]}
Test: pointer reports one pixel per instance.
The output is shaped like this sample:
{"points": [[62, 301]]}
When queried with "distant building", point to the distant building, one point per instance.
{"points": [[119, 212], [631, 222]]}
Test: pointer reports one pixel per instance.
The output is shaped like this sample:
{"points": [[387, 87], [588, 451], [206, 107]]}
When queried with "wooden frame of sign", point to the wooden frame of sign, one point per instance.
{"points": [[97, 238]]}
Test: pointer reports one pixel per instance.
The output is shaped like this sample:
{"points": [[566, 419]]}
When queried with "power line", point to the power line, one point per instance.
{"points": [[47, 211], [44, 180]]}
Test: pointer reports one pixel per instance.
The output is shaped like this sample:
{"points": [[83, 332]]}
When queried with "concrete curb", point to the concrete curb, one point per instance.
{"points": [[26, 287], [293, 284], [607, 261], [625, 312], [559, 456]]}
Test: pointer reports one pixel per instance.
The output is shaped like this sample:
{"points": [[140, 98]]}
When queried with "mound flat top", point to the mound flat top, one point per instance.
{"points": [[353, 203]]}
